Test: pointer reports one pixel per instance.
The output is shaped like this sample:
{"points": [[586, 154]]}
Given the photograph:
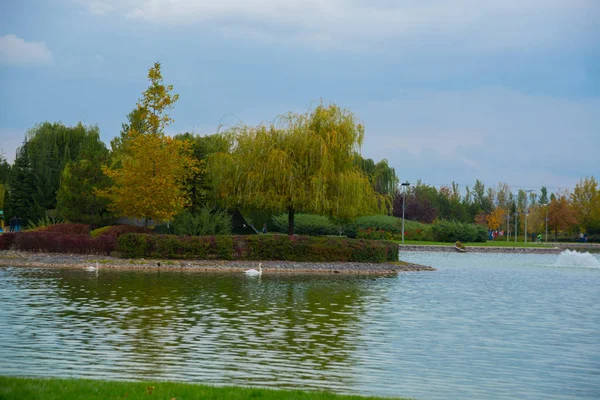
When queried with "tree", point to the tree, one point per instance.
{"points": [[495, 218], [199, 185], [421, 203], [586, 203], [560, 214], [47, 149], [382, 177], [21, 187], [544, 195], [77, 200], [149, 185], [148, 181], [306, 164]]}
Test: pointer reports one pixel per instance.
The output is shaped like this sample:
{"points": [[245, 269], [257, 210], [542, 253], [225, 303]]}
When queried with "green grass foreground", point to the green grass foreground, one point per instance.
{"points": [[82, 389], [496, 243]]}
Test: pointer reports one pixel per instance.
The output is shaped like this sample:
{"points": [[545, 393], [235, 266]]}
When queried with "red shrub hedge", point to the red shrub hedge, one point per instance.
{"points": [[7, 240], [295, 248], [67, 229], [60, 243]]}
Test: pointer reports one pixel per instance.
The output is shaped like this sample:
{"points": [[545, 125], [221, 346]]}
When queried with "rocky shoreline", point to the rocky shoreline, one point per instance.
{"points": [[58, 260], [483, 249]]}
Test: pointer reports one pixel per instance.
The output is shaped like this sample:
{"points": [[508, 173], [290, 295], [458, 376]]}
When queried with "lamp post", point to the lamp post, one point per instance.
{"points": [[516, 226], [405, 185], [526, 218], [526, 213], [507, 225]]}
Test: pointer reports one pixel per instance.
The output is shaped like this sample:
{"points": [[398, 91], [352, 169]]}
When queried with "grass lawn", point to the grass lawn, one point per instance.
{"points": [[72, 389], [496, 243]]}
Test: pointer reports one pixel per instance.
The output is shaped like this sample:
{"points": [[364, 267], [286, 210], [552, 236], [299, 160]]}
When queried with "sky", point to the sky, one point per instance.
{"points": [[496, 90]]}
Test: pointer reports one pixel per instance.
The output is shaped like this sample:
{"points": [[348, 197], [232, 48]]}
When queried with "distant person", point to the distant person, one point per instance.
{"points": [[585, 237], [539, 237], [581, 237], [264, 229]]}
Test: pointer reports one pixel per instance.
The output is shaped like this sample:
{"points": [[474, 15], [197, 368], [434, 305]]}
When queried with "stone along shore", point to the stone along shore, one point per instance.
{"points": [[58, 260]]}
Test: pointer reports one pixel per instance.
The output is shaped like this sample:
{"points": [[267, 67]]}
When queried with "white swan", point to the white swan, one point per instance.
{"points": [[253, 272], [92, 268]]}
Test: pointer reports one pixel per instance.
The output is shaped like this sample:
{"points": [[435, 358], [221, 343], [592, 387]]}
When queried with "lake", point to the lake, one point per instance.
{"points": [[497, 326]]}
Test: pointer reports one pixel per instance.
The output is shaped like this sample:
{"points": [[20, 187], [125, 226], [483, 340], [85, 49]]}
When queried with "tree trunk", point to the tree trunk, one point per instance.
{"points": [[291, 221]]}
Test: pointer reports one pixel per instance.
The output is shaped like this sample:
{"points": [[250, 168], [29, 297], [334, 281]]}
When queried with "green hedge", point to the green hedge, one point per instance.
{"points": [[450, 231], [306, 224], [384, 226], [262, 247]]}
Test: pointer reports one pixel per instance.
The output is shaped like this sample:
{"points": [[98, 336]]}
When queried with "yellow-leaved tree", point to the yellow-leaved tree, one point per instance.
{"points": [[305, 163], [148, 182], [495, 219]]}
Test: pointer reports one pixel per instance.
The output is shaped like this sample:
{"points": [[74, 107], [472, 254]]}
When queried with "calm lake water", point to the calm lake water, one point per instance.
{"points": [[482, 326]]}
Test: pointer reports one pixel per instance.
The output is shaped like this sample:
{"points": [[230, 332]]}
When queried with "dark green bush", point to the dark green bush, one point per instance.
{"points": [[383, 226], [306, 224], [202, 222], [262, 247], [379, 223], [451, 231]]}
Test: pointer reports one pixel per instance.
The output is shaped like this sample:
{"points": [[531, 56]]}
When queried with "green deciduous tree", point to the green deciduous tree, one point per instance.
{"points": [[305, 164], [586, 203]]}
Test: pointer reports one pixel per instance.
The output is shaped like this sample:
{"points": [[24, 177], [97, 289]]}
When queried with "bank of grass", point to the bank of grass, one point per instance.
{"points": [[82, 389], [496, 243]]}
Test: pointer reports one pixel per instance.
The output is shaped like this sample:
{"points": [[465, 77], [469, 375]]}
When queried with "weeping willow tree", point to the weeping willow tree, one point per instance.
{"points": [[304, 163], [382, 177]]}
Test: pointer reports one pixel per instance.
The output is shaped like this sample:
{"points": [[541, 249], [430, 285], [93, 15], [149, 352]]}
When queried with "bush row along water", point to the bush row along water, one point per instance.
{"points": [[135, 245], [385, 227]]}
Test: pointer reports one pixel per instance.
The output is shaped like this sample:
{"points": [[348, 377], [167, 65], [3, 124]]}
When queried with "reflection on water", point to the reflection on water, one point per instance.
{"points": [[212, 328], [481, 326]]}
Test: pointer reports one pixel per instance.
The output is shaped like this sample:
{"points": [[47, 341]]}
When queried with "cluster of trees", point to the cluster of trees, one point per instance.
{"points": [[303, 163], [497, 207]]}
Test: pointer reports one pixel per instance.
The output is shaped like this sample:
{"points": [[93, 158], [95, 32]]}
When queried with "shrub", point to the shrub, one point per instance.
{"points": [[67, 229], [374, 226], [306, 224], [118, 230], [6, 240], [63, 243], [380, 223], [203, 222], [373, 234], [451, 231], [260, 247]]}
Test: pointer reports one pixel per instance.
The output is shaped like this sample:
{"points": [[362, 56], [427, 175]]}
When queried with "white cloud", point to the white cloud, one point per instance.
{"points": [[16, 51], [463, 24]]}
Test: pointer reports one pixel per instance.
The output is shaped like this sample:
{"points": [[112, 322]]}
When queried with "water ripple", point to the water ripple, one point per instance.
{"points": [[493, 326]]}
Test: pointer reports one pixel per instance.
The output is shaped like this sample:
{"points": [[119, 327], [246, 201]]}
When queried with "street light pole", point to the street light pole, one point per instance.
{"points": [[405, 184], [526, 213], [546, 219], [516, 226]]}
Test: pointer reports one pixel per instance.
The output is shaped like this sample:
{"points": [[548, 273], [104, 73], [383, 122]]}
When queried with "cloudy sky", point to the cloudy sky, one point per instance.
{"points": [[500, 90]]}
